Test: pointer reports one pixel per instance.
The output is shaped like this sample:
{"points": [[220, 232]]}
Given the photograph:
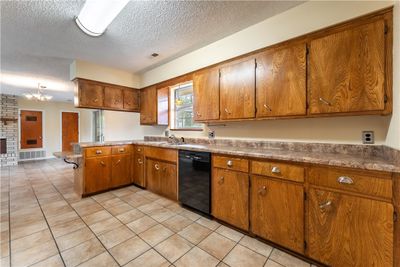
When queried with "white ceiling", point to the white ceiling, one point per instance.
{"points": [[39, 38]]}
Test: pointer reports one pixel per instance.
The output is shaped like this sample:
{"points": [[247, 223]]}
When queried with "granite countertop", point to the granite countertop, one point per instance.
{"points": [[358, 161], [67, 155]]}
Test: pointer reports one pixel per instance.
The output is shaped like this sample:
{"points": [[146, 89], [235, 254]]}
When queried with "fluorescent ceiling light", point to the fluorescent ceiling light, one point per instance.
{"points": [[96, 15]]}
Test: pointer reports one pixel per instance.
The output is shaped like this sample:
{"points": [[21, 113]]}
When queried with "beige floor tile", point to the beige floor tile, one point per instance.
{"points": [[229, 233], [151, 207], [96, 217], [161, 215], [83, 202], [136, 201], [4, 249], [5, 262], [174, 247], [156, 234], [141, 224], [195, 233], [129, 250], [116, 236], [62, 218], [210, 224], [256, 245], [103, 197], [217, 245], [177, 223], [34, 254], [54, 261], [102, 260], [286, 259], [33, 239], [112, 202], [75, 238], [244, 257], [149, 259], [122, 192], [88, 209], [164, 201], [189, 214], [271, 263], [105, 226], [118, 209], [196, 258], [67, 227], [130, 216], [82, 252], [28, 229], [222, 264]]}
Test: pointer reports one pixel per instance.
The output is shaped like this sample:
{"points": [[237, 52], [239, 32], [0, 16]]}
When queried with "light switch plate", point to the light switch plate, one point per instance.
{"points": [[368, 137], [211, 134]]}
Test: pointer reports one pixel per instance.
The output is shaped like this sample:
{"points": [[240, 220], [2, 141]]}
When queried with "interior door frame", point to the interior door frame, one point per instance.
{"points": [[43, 130], [79, 125]]}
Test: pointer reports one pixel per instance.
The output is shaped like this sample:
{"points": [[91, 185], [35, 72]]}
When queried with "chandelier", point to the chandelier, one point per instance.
{"points": [[39, 95]]}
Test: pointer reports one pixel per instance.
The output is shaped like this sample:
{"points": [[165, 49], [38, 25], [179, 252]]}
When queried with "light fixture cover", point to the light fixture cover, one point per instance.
{"points": [[96, 15]]}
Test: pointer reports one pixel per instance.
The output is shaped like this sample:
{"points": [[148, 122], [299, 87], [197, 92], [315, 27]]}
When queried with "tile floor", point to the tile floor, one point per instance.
{"points": [[43, 223]]}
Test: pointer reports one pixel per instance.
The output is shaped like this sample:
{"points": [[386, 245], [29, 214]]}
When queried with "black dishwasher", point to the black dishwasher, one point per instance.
{"points": [[195, 180]]}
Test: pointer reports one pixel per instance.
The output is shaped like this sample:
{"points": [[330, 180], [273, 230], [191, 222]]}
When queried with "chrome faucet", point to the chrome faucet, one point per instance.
{"points": [[175, 140]]}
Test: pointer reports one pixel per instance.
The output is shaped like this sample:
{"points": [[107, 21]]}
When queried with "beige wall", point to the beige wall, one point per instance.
{"points": [[299, 20], [52, 122]]}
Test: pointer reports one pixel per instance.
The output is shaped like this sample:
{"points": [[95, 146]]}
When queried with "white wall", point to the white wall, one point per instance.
{"points": [[297, 21]]}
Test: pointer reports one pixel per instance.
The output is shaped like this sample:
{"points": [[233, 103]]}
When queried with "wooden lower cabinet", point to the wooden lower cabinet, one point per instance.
{"points": [[161, 178], [121, 170], [97, 174], [345, 230], [138, 170], [230, 197], [277, 212]]}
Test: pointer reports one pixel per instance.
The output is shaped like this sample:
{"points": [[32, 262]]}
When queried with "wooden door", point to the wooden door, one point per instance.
{"points": [[153, 176], [206, 95], [163, 106], [281, 82], [237, 90], [113, 97], [148, 105], [168, 180], [120, 170], [230, 192], [345, 230], [347, 70], [91, 94], [97, 174], [70, 129], [31, 129], [138, 170], [131, 99], [277, 212]]}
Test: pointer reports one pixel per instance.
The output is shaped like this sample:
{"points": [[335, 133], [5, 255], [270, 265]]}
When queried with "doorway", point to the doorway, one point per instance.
{"points": [[69, 129], [31, 129]]}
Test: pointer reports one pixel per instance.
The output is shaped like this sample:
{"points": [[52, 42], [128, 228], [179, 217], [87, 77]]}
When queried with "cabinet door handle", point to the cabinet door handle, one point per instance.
{"points": [[324, 205], [326, 102], [262, 190], [138, 150], [198, 114], [227, 111], [345, 180], [267, 107], [140, 161], [99, 152], [156, 166], [121, 150], [95, 100], [118, 162], [221, 180], [102, 163], [276, 170], [229, 163]]}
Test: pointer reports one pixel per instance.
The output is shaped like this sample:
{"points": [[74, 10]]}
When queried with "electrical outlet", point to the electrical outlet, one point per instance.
{"points": [[211, 134], [166, 133], [368, 137]]}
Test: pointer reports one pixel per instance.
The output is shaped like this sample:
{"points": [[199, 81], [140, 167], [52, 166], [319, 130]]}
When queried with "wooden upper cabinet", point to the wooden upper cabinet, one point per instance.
{"points": [[90, 94], [345, 230], [163, 106], [148, 105], [281, 82], [206, 95], [237, 90], [113, 97], [131, 99], [347, 70]]}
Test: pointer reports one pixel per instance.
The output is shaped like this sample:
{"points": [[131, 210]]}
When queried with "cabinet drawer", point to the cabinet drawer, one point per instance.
{"points": [[231, 163], [161, 154], [358, 182], [139, 149], [121, 149], [278, 170], [98, 151]]}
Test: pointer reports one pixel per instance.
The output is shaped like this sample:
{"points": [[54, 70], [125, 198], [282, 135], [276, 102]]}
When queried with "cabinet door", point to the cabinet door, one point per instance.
{"points": [[131, 99], [153, 176], [148, 105], [120, 172], [230, 192], [97, 174], [206, 95], [90, 94], [347, 70], [237, 90], [163, 106], [169, 180], [277, 212], [281, 82], [138, 170], [346, 230], [113, 97]]}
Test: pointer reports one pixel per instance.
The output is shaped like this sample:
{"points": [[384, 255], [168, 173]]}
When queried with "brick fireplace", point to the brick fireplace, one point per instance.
{"points": [[9, 130]]}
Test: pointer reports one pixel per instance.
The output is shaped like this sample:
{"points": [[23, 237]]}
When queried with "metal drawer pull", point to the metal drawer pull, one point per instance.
{"points": [[325, 204], [267, 107], [276, 170], [116, 163], [138, 150], [227, 111], [345, 180], [156, 166], [229, 163], [263, 190], [121, 150], [139, 161], [326, 102], [95, 100], [99, 152], [221, 180], [102, 163]]}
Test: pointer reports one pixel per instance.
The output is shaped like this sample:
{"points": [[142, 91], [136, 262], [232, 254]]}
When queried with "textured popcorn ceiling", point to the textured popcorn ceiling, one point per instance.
{"points": [[39, 38]]}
